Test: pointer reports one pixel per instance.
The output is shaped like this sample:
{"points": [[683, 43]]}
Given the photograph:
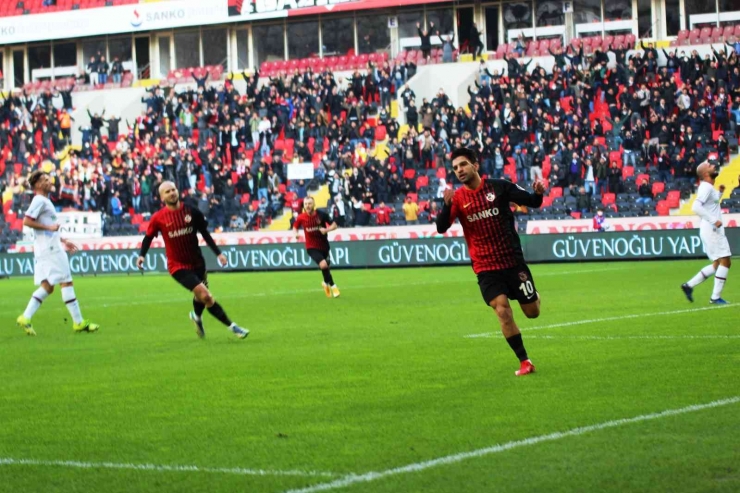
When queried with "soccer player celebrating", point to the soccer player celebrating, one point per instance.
{"points": [[317, 225], [52, 264], [712, 233], [180, 225], [494, 246]]}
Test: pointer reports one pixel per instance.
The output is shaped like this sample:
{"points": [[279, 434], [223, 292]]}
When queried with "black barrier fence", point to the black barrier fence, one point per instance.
{"points": [[640, 245]]}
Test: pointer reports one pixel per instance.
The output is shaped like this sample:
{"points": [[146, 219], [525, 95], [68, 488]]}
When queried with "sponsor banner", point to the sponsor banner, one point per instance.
{"points": [[636, 245], [300, 171], [144, 17], [642, 245], [267, 237], [624, 224], [74, 225], [266, 9]]}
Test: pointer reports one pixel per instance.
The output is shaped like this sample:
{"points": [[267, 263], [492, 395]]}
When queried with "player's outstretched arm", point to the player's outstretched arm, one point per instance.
{"points": [[521, 197], [445, 217], [145, 244], [326, 231]]}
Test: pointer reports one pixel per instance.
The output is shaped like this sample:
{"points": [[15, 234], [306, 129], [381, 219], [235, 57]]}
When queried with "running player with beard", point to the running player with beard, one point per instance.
{"points": [[317, 225], [180, 225], [493, 243]]}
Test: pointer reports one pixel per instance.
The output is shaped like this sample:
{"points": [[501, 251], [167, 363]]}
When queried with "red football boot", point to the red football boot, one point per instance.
{"points": [[525, 369]]}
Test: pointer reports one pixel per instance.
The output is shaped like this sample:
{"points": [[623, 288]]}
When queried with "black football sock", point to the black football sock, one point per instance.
{"points": [[198, 307], [327, 277], [219, 313], [518, 347]]}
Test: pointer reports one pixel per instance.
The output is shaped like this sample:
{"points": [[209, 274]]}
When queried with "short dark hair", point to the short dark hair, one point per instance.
{"points": [[35, 177], [465, 152]]}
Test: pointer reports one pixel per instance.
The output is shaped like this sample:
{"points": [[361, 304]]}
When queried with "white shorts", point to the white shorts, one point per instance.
{"points": [[53, 268], [715, 242]]}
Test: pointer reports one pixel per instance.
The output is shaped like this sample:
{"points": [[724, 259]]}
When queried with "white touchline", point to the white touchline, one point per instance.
{"points": [[6, 461], [452, 459], [608, 319], [614, 338]]}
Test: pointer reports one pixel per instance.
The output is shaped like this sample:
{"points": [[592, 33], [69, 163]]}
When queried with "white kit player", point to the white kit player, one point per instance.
{"points": [[712, 233], [51, 265]]}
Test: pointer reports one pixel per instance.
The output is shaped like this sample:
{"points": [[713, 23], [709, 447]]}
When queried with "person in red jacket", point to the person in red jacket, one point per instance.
{"points": [[382, 214]]}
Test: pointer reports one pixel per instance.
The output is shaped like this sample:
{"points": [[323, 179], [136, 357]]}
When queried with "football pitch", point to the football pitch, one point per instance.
{"points": [[404, 384]]}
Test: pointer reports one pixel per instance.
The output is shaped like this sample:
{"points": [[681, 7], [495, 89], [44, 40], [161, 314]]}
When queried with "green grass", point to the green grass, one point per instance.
{"points": [[381, 378]]}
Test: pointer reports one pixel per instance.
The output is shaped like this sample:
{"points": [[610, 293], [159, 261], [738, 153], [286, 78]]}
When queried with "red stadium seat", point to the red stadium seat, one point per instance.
{"points": [[556, 192], [658, 187], [608, 198], [409, 173]]}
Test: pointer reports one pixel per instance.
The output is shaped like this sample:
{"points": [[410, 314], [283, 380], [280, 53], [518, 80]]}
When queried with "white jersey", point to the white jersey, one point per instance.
{"points": [[45, 242], [707, 202]]}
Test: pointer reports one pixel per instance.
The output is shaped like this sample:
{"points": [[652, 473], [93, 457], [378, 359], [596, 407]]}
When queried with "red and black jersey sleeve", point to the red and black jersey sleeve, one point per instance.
{"points": [[153, 228], [325, 219], [515, 193]]}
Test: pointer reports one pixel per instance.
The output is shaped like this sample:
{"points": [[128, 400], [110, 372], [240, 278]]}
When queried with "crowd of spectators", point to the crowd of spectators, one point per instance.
{"points": [[579, 124]]}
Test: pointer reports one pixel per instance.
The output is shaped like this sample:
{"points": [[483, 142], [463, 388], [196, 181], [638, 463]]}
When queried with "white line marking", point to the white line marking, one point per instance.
{"points": [[609, 319], [452, 459], [616, 338], [6, 461]]}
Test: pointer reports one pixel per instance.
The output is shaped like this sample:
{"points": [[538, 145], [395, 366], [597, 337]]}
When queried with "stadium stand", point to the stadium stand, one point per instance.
{"points": [[626, 139]]}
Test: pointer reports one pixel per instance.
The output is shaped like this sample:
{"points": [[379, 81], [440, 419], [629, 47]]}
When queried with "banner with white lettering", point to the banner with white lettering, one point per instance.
{"points": [[74, 225], [624, 224], [300, 171], [139, 17], [639, 245], [265, 237]]}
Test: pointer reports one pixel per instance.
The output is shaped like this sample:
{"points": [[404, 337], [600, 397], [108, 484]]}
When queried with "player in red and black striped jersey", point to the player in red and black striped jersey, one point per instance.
{"points": [[482, 206], [180, 225], [316, 225]]}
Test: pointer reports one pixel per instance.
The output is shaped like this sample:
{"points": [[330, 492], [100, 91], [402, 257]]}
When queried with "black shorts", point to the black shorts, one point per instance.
{"points": [[516, 283], [318, 255], [189, 279]]}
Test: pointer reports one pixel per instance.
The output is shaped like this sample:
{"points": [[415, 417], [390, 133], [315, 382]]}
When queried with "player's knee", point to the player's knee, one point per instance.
{"points": [[503, 312], [207, 299], [533, 312], [323, 265]]}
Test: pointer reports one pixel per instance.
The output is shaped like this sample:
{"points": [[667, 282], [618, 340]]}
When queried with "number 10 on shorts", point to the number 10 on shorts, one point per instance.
{"points": [[527, 288]]}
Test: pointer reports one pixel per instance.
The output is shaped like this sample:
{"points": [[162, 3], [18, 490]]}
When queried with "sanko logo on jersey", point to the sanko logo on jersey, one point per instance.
{"points": [[180, 232], [483, 214]]}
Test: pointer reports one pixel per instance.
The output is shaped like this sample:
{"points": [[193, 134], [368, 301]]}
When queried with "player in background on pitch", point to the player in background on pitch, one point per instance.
{"points": [[51, 261], [316, 225], [180, 225], [712, 233], [493, 243]]}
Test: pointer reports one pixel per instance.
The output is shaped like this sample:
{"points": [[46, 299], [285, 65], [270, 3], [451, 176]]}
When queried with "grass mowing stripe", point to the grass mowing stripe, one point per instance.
{"points": [[155, 301], [6, 461], [452, 459], [608, 319]]}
